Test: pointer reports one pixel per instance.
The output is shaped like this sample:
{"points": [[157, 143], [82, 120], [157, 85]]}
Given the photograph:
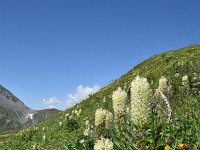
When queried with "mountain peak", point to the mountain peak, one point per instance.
{"points": [[5, 92]]}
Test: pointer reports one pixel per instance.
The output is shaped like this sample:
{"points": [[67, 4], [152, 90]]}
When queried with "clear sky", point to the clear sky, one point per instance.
{"points": [[57, 51]]}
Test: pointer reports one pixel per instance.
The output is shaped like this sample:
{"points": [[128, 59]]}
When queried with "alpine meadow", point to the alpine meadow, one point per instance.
{"points": [[156, 100]]}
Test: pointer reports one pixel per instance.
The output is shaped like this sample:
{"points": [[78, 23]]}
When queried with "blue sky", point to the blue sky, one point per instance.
{"points": [[56, 51]]}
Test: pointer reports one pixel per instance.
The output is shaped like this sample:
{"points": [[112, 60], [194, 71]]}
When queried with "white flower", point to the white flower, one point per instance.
{"points": [[100, 116], [34, 146], [86, 132], [43, 128], [76, 111], [87, 122], [67, 115], [163, 84], [60, 123], [81, 141], [140, 96], [119, 98], [103, 144], [78, 114], [185, 80], [176, 75], [44, 137]]}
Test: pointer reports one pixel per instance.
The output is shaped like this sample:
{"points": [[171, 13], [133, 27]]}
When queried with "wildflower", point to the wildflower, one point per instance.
{"points": [[86, 118], [162, 91], [66, 115], [119, 98], [81, 141], [34, 146], [76, 111], [183, 147], [140, 96], [169, 143], [176, 75], [103, 144], [43, 128], [164, 85], [185, 80], [44, 137], [87, 123], [60, 123], [86, 132], [109, 118], [100, 116]]}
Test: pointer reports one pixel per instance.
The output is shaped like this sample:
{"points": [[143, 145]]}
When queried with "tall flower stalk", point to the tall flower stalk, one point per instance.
{"points": [[163, 90], [119, 99], [164, 85], [141, 94], [100, 121]]}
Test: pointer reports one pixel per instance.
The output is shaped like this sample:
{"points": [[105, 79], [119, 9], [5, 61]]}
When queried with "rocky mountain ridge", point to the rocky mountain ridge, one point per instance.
{"points": [[14, 114]]}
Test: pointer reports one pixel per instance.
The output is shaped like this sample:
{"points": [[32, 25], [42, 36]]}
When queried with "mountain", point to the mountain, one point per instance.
{"points": [[14, 113], [75, 127]]}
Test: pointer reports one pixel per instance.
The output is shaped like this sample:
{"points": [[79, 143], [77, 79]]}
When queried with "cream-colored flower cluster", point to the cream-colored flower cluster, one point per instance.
{"points": [[176, 75], [87, 130], [185, 80], [100, 116], [103, 144], [119, 98], [100, 120], [103, 119], [76, 112], [163, 84], [140, 96], [109, 119]]}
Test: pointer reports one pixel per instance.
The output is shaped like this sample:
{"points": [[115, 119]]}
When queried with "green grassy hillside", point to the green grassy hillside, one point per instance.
{"points": [[44, 114], [67, 132]]}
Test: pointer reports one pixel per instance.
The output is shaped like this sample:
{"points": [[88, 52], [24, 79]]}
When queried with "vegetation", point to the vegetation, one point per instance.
{"points": [[45, 114], [168, 86]]}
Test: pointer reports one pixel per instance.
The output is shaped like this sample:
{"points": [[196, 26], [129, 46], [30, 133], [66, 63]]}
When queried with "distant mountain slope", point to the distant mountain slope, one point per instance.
{"points": [[13, 112], [59, 131], [44, 114]]}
